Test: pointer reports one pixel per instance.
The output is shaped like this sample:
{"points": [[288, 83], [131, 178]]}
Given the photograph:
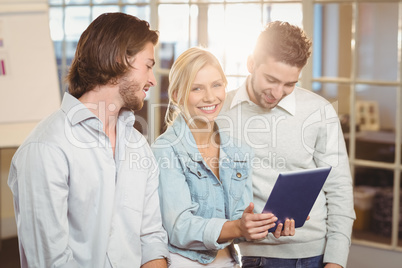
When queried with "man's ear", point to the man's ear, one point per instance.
{"points": [[250, 63]]}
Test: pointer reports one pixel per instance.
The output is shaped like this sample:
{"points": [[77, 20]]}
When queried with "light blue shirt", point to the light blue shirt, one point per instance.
{"points": [[194, 202], [78, 206]]}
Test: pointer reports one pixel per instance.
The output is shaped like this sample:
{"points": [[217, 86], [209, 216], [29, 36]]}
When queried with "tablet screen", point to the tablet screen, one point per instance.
{"points": [[294, 194]]}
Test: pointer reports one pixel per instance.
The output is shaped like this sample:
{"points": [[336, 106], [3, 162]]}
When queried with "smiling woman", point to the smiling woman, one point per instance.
{"points": [[205, 185], [207, 95]]}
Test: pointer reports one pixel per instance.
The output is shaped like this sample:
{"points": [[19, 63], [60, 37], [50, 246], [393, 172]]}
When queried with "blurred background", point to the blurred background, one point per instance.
{"points": [[356, 65]]}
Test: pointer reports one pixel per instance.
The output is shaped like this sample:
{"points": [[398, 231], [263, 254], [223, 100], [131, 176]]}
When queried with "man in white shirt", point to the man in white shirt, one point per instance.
{"points": [[291, 128], [85, 182]]}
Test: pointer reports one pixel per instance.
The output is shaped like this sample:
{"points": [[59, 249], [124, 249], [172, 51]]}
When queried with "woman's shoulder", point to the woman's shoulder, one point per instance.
{"points": [[167, 143]]}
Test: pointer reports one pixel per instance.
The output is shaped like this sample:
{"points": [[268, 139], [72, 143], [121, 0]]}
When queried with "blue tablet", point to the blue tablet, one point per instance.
{"points": [[294, 194]]}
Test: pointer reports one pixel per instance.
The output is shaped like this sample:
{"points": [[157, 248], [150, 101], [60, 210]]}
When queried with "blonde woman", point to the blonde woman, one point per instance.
{"points": [[205, 186]]}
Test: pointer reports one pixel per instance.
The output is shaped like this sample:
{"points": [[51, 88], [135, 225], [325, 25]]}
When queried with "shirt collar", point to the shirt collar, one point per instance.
{"points": [[241, 95], [288, 103], [77, 112]]}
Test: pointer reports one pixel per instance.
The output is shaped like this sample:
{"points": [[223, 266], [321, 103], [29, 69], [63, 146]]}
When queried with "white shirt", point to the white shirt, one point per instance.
{"points": [[78, 206], [302, 132]]}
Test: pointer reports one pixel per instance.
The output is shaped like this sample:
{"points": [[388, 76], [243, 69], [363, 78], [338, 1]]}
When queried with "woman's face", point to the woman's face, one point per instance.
{"points": [[206, 96]]}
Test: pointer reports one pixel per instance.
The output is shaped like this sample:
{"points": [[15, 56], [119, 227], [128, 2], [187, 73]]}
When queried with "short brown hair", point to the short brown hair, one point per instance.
{"points": [[103, 50], [284, 42]]}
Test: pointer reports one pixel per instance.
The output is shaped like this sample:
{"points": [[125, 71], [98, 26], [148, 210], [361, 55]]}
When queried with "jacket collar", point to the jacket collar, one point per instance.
{"points": [[185, 137]]}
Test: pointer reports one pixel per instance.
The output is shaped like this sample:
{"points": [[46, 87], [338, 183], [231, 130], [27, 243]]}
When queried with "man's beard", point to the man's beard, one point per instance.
{"points": [[127, 92], [259, 97]]}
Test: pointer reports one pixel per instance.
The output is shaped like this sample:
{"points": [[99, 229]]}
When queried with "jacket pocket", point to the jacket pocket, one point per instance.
{"points": [[197, 180], [238, 181]]}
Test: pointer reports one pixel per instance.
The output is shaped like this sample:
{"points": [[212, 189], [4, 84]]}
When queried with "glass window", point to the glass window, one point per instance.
{"points": [[174, 31], [77, 2], [336, 92], [373, 199], [55, 2], [382, 112], [332, 48], [375, 118], [289, 12], [232, 39], [174, 1], [98, 10], [378, 48], [135, 1], [162, 105], [142, 12], [76, 21], [105, 1]]}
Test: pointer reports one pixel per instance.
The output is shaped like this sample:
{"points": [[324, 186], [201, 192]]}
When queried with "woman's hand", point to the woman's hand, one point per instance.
{"points": [[255, 226]]}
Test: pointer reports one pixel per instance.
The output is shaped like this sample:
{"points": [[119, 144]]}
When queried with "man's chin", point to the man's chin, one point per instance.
{"points": [[268, 106], [138, 107], [135, 107]]}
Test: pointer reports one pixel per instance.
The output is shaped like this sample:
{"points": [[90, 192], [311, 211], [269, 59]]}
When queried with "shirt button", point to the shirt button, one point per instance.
{"points": [[198, 173], [238, 175]]}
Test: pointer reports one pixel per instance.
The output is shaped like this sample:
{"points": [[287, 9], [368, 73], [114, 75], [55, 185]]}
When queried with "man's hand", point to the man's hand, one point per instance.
{"points": [[287, 229], [255, 226], [159, 263]]}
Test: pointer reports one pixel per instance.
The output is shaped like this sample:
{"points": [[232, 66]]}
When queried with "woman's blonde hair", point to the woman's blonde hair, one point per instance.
{"points": [[181, 78]]}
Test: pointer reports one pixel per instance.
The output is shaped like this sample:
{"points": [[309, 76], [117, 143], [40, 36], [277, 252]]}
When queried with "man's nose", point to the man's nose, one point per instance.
{"points": [[277, 91], [152, 79]]}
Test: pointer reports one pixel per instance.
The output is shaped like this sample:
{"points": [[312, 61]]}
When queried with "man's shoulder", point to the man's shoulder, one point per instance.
{"points": [[47, 137], [303, 94], [227, 105], [230, 96], [49, 129]]}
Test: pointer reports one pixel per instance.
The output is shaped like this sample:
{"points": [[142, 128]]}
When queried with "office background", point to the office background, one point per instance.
{"points": [[356, 64]]}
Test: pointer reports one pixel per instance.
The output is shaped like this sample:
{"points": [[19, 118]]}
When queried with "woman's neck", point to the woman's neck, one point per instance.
{"points": [[204, 134], [208, 144]]}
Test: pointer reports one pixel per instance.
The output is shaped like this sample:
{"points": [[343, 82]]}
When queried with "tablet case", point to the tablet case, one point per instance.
{"points": [[294, 194]]}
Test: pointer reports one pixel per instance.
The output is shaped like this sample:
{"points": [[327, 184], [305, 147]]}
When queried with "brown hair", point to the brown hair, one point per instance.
{"points": [[285, 42], [103, 50]]}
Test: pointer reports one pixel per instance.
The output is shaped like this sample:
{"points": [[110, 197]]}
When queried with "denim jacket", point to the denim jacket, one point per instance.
{"points": [[194, 202]]}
